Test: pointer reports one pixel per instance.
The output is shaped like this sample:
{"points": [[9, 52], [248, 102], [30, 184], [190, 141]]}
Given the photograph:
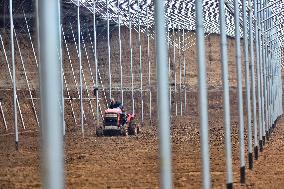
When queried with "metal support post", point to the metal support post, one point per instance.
{"points": [[240, 91], [50, 93], [14, 74], [227, 122], [109, 50], [120, 53], [163, 96], [96, 64], [140, 62], [259, 77], [203, 100], [247, 79], [131, 56], [252, 58], [80, 67], [149, 65]]}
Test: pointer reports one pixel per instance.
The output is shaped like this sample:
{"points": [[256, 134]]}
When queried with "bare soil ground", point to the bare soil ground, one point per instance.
{"points": [[133, 162]]}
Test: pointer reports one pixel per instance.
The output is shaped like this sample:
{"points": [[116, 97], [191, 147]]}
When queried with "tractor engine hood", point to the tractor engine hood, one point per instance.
{"points": [[113, 111]]}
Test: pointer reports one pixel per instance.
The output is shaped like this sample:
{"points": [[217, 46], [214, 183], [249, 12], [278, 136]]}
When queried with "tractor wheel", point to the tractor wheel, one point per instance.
{"points": [[124, 131], [133, 130], [99, 132]]}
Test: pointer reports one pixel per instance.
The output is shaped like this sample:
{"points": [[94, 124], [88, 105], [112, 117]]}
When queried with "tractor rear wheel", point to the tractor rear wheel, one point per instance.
{"points": [[133, 130], [124, 131]]}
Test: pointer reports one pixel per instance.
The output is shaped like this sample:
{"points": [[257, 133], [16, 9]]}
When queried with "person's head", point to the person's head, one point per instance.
{"points": [[112, 100]]}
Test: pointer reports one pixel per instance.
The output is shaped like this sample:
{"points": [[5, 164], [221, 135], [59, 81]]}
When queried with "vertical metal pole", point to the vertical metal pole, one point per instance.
{"points": [[271, 66], [163, 96], [273, 96], [240, 91], [226, 89], [261, 80], [14, 73], [50, 86], [108, 47], [253, 80], [175, 71], [184, 70], [149, 65], [272, 79], [247, 78], [203, 100], [267, 65], [276, 89], [275, 105], [62, 67], [274, 54], [140, 61], [80, 65], [263, 75], [180, 70], [259, 77], [131, 55], [96, 63], [120, 53]]}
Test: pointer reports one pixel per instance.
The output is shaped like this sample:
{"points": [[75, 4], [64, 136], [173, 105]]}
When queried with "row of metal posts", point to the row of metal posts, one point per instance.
{"points": [[25, 73], [131, 62], [267, 116], [131, 17], [261, 132], [17, 100]]}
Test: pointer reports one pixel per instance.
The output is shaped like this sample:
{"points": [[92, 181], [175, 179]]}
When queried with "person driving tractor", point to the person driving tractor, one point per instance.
{"points": [[115, 104]]}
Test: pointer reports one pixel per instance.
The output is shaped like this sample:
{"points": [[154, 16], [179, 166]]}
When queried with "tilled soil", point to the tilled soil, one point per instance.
{"points": [[133, 162]]}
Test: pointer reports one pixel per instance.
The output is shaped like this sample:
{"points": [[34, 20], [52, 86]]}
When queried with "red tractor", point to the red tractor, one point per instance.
{"points": [[115, 121]]}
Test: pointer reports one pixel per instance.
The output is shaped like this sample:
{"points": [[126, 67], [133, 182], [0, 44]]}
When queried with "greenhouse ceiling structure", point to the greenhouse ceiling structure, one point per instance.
{"points": [[181, 13]]}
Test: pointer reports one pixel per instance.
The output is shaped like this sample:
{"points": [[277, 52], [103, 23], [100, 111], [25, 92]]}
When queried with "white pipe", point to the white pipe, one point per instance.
{"points": [[203, 100], [163, 97], [14, 73], [50, 93]]}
